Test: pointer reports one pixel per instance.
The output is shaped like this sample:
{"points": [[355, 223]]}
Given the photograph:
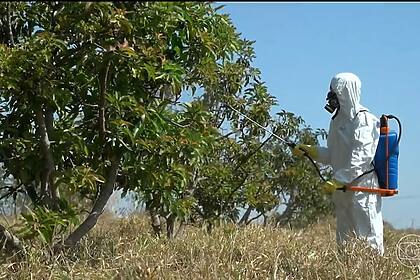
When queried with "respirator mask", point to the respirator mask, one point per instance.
{"points": [[332, 102]]}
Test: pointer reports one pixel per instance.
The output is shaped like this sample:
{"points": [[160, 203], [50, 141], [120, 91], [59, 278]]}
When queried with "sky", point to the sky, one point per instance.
{"points": [[300, 46]]}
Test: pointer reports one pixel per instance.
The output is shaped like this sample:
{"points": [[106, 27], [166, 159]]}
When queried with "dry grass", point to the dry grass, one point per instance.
{"points": [[125, 249]]}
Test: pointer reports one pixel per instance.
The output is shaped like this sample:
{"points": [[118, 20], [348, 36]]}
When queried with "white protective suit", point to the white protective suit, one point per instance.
{"points": [[351, 145]]}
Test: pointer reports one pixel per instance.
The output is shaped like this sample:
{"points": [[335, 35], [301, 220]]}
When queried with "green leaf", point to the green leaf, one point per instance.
{"points": [[43, 237], [150, 71], [129, 52]]}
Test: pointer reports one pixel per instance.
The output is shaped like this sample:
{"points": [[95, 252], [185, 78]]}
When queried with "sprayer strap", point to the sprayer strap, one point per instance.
{"points": [[364, 110], [365, 173]]}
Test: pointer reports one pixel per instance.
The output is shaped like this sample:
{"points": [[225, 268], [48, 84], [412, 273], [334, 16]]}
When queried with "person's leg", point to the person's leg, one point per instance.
{"points": [[368, 219], [343, 212]]}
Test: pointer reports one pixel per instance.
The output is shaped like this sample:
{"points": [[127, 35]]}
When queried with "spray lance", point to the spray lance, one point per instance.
{"points": [[288, 143], [385, 161]]}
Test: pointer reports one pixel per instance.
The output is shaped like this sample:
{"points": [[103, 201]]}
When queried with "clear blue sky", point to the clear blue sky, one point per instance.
{"points": [[301, 46]]}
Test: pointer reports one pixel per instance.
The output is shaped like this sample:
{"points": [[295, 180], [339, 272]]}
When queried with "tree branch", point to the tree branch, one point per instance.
{"points": [[256, 217], [252, 153], [9, 24], [227, 135], [247, 174], [221, 122], [245, 217], [11, 191], [103, 87]]}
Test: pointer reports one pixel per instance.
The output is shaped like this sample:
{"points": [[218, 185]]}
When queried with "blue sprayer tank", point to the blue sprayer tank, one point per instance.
{"points": [[386, 157]]}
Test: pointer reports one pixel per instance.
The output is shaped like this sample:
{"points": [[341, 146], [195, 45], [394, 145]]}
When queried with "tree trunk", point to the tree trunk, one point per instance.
{"points": [[156, 225], [246, 215], [154, 216], [49, 123], [209, 227], [111, 178], [98, 207], [170, 226], [47, 173], [9, 242], [31, 192], [265, 223], [181, 229], [286, 216]]}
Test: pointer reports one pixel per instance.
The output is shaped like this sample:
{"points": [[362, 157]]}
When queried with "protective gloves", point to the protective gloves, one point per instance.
{"points": [[300, 149], [331, 186]]}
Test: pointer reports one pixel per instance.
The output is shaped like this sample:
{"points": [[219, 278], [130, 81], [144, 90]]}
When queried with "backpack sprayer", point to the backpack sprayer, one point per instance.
{"points": [[385, 161]]}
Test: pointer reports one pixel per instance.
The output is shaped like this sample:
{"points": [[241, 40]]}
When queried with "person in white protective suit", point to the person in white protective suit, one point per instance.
{"points": [[351, 145]]}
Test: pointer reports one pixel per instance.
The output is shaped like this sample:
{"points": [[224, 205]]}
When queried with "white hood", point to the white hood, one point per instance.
{"points": [[347, 87]]}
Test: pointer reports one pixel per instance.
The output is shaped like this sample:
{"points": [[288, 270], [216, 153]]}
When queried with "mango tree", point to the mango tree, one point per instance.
{"points": [[103, 95]]}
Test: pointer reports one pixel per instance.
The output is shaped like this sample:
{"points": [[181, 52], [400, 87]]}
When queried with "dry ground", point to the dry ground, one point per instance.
{"points": [[126, 249]]}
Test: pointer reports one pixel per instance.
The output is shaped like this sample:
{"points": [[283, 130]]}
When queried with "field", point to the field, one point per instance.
{"points": [[126, 249]]}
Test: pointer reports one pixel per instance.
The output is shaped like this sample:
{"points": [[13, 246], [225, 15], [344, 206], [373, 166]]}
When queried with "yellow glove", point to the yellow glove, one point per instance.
{"points": [[300, 149], [331, 186]]}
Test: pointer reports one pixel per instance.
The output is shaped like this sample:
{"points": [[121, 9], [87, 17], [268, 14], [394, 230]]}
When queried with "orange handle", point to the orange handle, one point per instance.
{"points": [[383, 192]]}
